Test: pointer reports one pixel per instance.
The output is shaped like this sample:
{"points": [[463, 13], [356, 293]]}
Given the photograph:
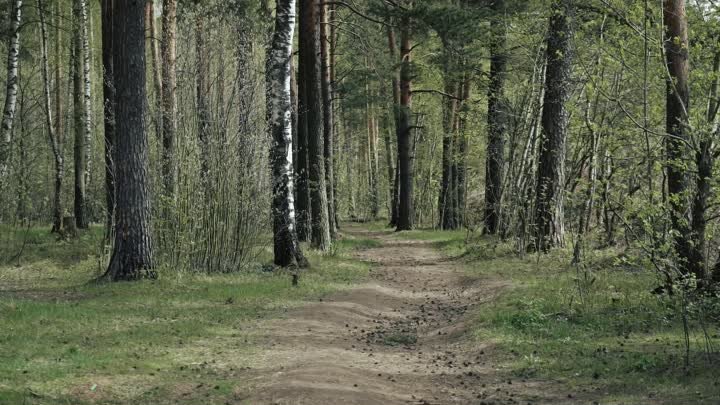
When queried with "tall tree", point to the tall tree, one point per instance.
{"points": [[11, 89], [54, 129], [285, 243], [677, 127], [132, 256], [81, 110], [106, 11], [406, 213], [549, 193], [328, 118], [495, 160], [310, 58], [169, 95], [446, 201], [302, 168], [395, 81]]}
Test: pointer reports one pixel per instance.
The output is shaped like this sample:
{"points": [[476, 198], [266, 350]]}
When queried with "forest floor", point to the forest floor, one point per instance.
{"points": [[420, 317]]}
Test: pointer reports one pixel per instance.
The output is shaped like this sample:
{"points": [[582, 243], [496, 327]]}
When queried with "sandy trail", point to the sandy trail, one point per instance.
{"points": [[399, 339]]}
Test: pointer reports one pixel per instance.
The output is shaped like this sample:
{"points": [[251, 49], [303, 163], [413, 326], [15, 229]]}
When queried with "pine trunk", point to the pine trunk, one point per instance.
{"points": [[495, 162], [310, 56], [132, 256], [328, 118], [406, 214], [107, 7], [677, 116], [549, 193], [80, 150]]}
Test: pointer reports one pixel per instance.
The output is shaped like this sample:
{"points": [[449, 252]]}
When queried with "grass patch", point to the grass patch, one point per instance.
{"points": [[185, 338], [399, 339]]}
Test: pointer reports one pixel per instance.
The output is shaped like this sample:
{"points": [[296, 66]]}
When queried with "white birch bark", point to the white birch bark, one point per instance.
{"points": [[286, 247], [11, 90], [87, 90]]}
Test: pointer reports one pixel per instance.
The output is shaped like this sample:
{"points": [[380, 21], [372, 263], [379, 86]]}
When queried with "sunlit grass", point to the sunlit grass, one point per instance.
{"points": [[184, 338]]}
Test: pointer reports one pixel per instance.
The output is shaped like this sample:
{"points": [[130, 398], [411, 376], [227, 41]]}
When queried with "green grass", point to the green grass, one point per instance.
{"points": [[64, 341], [599, 329]]}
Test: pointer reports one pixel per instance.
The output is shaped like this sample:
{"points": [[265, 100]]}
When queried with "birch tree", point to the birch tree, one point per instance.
{"points": [[287, 250], [11, 90]]}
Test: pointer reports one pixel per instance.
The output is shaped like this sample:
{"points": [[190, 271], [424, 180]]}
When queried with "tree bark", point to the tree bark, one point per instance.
{"points": [[169, 96], [11, 90], [676, 124], [155, 43], [406, 214], [107, 7], [495, 162], [54, 136], [328, 114], [302, 172], [132, 256], [446, 200], [80, 149], [310, 57], [549, 193], [394, 180], [286, 246]]}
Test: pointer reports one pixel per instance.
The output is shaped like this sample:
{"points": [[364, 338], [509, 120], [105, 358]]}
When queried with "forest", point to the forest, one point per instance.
{"points": [[488, 202]]}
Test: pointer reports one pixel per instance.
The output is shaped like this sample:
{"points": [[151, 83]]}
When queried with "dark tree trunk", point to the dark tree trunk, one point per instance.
{"points": [[132, 256], [446, 200], [80, 147], [304, 217], [394, 179], [461, 162], [286, 246], [406, 214], [549, 203], [495, 162], [108, 106], [169, 96], [310, 58], [676, 124], [328, 118]]}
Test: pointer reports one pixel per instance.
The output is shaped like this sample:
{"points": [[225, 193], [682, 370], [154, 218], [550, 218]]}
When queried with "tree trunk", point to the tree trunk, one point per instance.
{"points": [[310, 57], [677, 120], [11, 91], [406, 214], [286, 246], [56, 142], [304, 217], [495, 162], [446, 200], [107, 8], [549, 194], [80, 149], [328, 118], [394, 203], [155, 44], [169, 96], [132, 256], [462, 152]]}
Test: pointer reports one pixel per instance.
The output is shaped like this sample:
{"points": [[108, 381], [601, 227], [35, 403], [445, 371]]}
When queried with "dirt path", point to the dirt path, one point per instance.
{"points": [[399, 339]]}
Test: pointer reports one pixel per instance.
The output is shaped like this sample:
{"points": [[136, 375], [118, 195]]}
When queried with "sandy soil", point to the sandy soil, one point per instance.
{"points": [[399, 339]]}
